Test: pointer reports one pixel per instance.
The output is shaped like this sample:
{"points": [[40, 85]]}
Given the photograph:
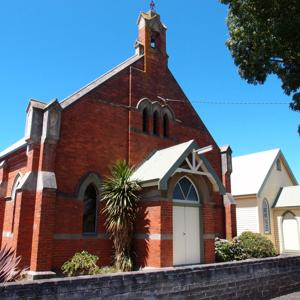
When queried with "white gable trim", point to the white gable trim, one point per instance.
{"points": [[289, 171]]}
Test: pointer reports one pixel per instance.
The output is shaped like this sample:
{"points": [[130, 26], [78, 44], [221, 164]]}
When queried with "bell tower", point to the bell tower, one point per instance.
{"points": [[152, 41]]}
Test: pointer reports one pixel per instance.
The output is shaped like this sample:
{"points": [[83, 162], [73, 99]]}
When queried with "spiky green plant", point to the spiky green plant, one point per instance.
{"points": [[120, 194], [9, 270]]}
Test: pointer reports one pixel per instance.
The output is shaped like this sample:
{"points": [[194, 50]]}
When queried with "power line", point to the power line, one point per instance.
{"points": [[240, 103], [230, 102]]}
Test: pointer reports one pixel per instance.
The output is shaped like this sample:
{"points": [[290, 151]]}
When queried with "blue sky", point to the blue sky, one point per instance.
{"points": [[49, 49]]}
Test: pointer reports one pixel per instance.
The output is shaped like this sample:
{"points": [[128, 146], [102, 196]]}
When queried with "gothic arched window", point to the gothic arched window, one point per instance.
{"points": [[155, 123], [166, 126], [89, 210], [145, 120], [185, 191], [266, 217], [13, 198], [15, 187], [153, 41]]}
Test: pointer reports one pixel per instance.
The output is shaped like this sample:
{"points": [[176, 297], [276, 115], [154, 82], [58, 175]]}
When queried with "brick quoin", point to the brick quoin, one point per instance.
{"points": [[74, 143]]}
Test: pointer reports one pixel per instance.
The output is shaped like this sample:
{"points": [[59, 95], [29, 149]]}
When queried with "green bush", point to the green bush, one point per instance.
{"points": [[82, 263], [256, 245], [229, 250], [247, 245]]}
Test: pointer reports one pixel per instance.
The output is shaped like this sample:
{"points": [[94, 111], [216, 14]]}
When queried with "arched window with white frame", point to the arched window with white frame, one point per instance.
{"points": [[185, 191], [266, 216]]}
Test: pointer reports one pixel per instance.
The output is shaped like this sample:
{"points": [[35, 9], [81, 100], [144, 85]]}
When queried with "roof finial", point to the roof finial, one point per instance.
{"points": [[152, 5]]}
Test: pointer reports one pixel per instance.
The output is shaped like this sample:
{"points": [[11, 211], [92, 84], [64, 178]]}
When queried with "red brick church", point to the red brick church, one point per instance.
{"points": [[50, 181]]}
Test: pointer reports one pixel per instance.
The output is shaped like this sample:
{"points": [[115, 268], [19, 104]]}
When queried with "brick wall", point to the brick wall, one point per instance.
{"points": [[252, 279]]}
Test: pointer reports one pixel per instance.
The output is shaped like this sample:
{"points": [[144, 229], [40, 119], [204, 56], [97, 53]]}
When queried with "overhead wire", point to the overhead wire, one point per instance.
{"points": [[230, 102]]}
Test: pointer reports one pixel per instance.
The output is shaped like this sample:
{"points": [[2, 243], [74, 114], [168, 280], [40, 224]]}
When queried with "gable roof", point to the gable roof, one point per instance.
{"points": [[249, 172], [74, 97], [288, 197], [103, 78], [158, 169], [158, 165]]}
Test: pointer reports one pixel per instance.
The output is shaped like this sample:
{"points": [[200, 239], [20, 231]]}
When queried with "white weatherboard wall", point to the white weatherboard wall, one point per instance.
{"points": [[275, 180], [247, 215]]}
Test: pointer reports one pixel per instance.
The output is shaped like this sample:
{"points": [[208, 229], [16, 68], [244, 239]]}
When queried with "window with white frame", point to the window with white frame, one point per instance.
{"points": [[185, 191], [266, 217]]}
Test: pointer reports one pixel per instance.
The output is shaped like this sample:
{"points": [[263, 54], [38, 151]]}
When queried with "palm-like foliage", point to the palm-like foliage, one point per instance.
{"points": [[120, 195], [9, 270]]}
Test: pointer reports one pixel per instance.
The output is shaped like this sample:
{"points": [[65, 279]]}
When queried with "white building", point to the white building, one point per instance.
{"points": [[267, 197]]}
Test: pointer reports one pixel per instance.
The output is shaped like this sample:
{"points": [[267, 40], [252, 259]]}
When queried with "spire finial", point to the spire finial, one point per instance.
{"points": [[152, 5]]}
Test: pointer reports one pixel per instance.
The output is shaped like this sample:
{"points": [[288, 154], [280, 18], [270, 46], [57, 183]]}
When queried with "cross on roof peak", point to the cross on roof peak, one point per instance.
{"points": [[152, 5]]}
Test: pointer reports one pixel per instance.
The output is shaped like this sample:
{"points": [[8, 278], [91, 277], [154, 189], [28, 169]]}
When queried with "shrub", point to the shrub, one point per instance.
{"points": [[229, 250], [247, 245], [256, 245], [82, 263], [9, 270]]}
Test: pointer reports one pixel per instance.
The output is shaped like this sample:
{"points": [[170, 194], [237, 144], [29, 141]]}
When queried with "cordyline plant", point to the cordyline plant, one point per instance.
{"points": [[120, 195], [9, 270]]}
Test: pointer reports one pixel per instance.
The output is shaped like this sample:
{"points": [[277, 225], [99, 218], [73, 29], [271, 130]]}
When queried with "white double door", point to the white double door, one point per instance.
{"points": [[186, 235]]}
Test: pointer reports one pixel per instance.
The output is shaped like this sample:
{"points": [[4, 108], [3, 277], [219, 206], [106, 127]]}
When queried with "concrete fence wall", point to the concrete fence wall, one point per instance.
{"points": [[252, 279]]}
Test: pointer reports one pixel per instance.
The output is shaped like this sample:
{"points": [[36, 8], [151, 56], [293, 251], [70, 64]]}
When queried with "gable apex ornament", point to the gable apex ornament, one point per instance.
{"points": [[152, 5]]}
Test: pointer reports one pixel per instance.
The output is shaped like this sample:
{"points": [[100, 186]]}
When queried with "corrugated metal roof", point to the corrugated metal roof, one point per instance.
{"points": [[158, 165], [250, 171], [288, 197]]}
